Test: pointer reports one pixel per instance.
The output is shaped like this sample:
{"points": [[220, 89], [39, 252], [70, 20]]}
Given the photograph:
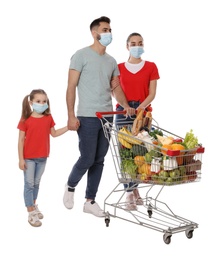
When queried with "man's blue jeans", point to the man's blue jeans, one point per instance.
{"points": [[32, 176], [93, 147]]}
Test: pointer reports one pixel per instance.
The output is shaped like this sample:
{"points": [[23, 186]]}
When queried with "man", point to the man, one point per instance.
{"points": [[91, 72]]}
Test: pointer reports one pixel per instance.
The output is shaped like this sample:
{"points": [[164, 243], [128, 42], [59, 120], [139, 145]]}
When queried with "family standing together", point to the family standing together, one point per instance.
{"points": [[94, 79]]}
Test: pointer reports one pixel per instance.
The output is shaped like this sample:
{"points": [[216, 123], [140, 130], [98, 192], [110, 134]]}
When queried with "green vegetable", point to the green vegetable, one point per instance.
{"points": [[190, 140], [155, 132], [156, 153], [148, 157], [138, 150], [128, 166], [182, 170], [152, 154], [125, 153]]}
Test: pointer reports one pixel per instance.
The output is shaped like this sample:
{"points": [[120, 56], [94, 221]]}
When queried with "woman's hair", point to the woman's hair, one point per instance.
{"points": [[133, 34], [26, 109]]}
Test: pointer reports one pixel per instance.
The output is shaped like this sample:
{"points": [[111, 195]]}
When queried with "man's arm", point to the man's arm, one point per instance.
{"points": [[119, 95], [73, 78]]}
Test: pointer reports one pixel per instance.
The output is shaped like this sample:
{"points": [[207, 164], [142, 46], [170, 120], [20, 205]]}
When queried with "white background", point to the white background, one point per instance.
{"points": [[184, 39]]}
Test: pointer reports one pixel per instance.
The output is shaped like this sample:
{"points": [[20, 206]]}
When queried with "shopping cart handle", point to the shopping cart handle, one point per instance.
{"points": [[101, 114], [123, 112]]}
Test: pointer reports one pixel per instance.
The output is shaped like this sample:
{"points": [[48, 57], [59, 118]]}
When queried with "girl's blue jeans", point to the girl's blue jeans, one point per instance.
{"points": [[32, 176], [93, 147]]}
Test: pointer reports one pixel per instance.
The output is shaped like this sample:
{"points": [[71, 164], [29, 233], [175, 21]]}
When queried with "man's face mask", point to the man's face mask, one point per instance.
{"points": [[136, 51], [105, 38], [39, 108]]}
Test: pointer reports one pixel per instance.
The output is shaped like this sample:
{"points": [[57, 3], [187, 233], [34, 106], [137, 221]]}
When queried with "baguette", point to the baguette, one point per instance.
{"points": [[138, 123], [149, 121], [140, 114]]}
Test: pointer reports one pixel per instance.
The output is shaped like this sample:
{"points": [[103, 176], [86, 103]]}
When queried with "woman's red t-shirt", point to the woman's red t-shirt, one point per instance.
{"points": [[136, 86]]}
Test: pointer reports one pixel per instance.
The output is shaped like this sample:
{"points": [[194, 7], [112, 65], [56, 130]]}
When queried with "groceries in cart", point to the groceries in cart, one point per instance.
{"points": [[151, 154], [152, 158]]}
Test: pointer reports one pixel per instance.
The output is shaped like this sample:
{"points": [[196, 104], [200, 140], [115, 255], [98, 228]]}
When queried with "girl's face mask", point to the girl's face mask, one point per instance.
{"points": [[39, 108]]}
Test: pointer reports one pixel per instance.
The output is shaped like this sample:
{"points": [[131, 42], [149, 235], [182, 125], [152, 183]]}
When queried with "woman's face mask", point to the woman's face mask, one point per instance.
{"points": [[136, 51], [39, 108]]}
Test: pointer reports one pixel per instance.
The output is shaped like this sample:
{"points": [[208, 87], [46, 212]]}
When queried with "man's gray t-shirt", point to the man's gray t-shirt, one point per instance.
{"points": [[94, 89]]}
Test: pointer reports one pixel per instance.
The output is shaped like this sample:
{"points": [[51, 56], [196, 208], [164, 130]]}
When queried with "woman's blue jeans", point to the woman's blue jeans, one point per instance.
{"points": [[93, 147], [32, 176], [120, 120]]}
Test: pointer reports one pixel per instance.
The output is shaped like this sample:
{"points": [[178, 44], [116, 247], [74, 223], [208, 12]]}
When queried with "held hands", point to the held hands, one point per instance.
{"points": [[73, 123]]}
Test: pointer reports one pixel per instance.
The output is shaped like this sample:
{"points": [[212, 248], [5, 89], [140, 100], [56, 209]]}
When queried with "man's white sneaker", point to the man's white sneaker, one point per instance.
{"points": [[93, 208], [33, 219], [68, 198], [40, 215]]}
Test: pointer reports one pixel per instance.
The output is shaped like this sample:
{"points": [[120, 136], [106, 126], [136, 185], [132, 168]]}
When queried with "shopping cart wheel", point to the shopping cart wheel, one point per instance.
{"points": [[149, 213], [149, 210], [189, 233], [107, 221], [167, 238]]}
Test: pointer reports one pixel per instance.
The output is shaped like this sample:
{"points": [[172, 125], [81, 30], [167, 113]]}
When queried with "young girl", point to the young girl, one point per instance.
{"points": [[35, 127]]}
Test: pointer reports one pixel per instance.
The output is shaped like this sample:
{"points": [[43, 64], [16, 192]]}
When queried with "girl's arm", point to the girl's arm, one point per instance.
{"points": [[151, 96], [58, 132], [22, 164]]}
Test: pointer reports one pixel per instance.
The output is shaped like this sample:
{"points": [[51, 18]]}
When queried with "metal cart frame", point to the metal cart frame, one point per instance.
{"points": [[153, 214]]}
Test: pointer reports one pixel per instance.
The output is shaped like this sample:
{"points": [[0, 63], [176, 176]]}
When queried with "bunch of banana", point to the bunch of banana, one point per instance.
{"points": [[124, 142], [126, 138]]}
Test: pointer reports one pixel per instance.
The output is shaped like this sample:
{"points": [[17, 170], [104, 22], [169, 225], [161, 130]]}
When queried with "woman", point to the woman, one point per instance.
{"points": [[138, 79]]}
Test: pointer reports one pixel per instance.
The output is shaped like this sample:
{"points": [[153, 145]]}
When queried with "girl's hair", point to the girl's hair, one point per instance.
{"points": [[133, 34], [26, 109]]}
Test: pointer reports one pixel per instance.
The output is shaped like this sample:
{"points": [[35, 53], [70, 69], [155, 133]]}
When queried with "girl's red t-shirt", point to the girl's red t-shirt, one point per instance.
{"points": [[37, 136]]}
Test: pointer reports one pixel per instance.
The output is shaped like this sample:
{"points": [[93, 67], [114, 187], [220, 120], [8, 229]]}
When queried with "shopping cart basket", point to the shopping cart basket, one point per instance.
{"points": [[145, 162]]}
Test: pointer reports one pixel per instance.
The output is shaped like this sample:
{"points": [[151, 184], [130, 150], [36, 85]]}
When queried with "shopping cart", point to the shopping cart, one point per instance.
{"points": [[152, 167]]}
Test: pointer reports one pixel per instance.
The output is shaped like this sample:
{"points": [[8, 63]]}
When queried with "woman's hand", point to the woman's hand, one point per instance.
{"points": [[140, 107], [130, 111]]}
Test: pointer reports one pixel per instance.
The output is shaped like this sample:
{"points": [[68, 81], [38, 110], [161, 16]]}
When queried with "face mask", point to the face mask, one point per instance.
{"points": [[105, 39], [136, 51], [40, 108]]}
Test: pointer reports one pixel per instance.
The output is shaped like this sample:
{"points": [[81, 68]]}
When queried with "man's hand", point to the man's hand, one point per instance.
{"points": [[73, 123]]}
